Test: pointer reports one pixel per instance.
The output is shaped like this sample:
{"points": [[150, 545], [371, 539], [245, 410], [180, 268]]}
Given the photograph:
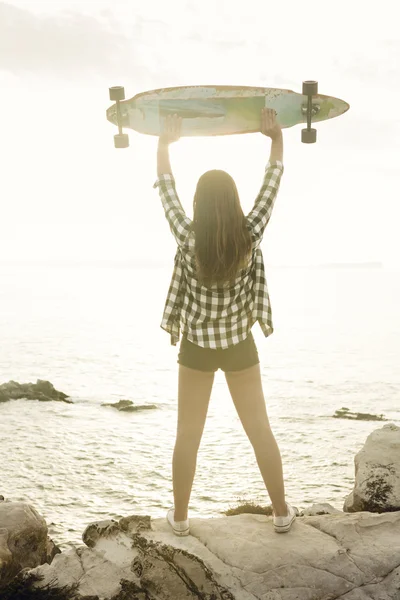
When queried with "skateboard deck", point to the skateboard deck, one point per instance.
{"points": [[220, 110]]}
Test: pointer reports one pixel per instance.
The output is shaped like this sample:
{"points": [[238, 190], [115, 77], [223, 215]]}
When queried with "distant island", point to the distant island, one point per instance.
{"points": [[362, 265], [341, 265]]}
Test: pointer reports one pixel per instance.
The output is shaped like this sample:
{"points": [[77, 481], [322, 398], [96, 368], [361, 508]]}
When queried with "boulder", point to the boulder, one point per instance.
{"points": [[323, 508], [23, 540], [128, 406], [377, 473], [342, 556], [41, 390]]}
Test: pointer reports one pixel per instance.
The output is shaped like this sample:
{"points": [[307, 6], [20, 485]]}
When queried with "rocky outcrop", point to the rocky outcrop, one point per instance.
{"points": [[23, 540], [128, 406], [41, 390], [377, 476], [345, 413], [341, 556]]}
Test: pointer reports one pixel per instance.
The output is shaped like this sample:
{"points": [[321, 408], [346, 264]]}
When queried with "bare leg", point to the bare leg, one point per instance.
{"points": [[194, 391], [247, 394], [270, 464]]}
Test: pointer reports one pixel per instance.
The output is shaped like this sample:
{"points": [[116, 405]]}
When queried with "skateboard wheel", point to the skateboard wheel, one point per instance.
{"points": [[308, 136], [310, 88], [117, 93], [121, 140]]}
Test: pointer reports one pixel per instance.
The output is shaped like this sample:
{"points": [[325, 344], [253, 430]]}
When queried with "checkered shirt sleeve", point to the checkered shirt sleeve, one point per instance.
{"points": [[260, 214], [179, 223]]}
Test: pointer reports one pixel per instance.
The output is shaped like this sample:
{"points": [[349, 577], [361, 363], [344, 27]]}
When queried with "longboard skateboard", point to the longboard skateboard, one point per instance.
{"points": [[220, 110]]}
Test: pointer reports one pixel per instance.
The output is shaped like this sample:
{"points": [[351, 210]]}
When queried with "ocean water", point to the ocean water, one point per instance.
{"points": [[93, 331]]}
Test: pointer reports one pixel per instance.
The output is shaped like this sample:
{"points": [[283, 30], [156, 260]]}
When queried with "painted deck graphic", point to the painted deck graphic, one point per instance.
{"points": [[221, 110]]}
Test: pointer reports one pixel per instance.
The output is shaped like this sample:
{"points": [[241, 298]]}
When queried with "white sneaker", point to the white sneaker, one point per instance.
{"points": [[283, 524], [180, 528]]}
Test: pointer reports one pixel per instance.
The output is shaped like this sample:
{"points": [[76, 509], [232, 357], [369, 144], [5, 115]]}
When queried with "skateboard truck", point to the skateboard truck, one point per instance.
{"points": [[310, 89], [117, 93]]}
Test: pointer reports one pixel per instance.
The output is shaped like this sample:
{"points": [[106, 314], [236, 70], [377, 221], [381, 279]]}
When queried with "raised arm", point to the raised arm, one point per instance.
{"points": [[261, 212], [179, 223], [163, 162], [170, 134], [277, 148]]}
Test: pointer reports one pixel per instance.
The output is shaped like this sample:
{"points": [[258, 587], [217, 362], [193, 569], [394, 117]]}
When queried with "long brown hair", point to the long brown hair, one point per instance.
{"points": [[222, 240]]}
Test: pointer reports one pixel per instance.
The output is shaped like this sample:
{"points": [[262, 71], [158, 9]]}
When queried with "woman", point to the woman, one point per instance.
{"points": [[217, 292]]}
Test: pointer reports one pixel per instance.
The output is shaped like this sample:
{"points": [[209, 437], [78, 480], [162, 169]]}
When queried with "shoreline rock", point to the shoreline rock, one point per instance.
{"points": [[377, 473], [23, 540], [129, 406], [44, 391], [345, 413], [322, 508]]}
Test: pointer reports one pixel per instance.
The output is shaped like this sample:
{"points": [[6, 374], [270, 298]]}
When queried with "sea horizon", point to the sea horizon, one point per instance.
{"points": [[367, 264]]}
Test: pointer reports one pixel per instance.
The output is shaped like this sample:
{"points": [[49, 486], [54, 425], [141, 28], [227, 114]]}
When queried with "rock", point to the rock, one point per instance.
{"points": [[377, 473], [51, 550], [342, 556], [95, 531], [320, 509], [41, 390], [23, 540], [106, 529], [345, 413], [128, 406]]}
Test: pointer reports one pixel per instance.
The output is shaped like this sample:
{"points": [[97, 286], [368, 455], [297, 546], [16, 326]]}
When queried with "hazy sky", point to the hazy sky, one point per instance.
{"points": [[68, 194]]}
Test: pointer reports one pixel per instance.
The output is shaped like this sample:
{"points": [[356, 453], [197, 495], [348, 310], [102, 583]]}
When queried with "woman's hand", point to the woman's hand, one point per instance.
{"points": [[269, 125], [172, 129]]}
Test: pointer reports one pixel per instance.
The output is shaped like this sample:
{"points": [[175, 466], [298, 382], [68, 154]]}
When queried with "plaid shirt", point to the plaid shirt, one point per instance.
{"points": [[217, 316]]}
